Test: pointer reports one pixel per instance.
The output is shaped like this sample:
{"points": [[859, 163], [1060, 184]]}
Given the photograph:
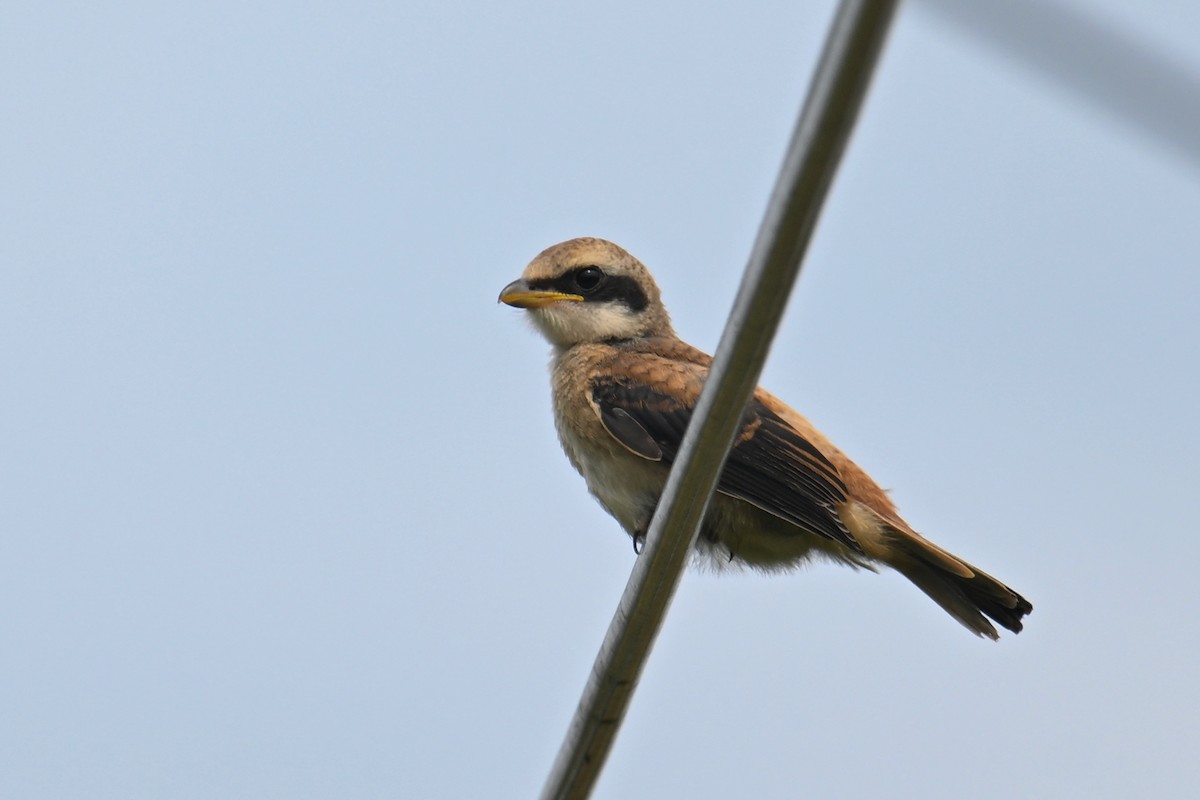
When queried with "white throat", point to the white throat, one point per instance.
{"points": [[566, 324]]}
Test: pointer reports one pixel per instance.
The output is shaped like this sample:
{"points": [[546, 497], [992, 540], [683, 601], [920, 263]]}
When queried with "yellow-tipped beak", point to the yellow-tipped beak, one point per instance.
{"points": [[519, 295]]}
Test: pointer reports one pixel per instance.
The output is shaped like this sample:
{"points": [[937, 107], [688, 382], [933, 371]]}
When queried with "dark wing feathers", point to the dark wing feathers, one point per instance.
{"points": [[645, 421], [771, 466], [629, 432]]}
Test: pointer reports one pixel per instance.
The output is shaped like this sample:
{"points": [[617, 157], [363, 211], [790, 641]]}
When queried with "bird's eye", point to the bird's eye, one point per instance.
{"points": [[588, 278]]}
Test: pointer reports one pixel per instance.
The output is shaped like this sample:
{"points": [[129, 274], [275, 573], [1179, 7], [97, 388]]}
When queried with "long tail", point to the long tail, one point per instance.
{"points": [[968, 594]]}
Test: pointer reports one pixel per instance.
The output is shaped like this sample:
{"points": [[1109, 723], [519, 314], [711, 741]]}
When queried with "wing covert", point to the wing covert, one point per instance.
{"points": [[771, 466]]}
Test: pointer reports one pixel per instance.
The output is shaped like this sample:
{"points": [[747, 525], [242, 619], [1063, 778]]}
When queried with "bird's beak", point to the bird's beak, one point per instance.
{"points": [[520, 295]]}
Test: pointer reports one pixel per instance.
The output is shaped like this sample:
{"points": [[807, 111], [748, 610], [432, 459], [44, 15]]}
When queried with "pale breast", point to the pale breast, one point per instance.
{"points": [[626, 485]]}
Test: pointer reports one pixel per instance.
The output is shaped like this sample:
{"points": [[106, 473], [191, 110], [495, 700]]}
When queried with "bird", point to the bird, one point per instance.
{"points": [[624, 387]]}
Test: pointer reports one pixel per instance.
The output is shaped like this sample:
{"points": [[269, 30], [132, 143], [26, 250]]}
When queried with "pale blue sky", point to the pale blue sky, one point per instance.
{"points": [[282, 513]]}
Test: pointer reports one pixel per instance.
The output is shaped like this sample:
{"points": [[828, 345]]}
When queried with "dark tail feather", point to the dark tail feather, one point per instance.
{"points": [[966, 593]]}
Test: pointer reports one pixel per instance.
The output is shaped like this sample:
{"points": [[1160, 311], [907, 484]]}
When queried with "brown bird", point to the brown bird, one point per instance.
{"points": [[624, 389]]}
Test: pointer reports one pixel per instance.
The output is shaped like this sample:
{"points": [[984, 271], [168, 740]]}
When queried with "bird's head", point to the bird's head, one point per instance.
{"points": [[589, 290]]}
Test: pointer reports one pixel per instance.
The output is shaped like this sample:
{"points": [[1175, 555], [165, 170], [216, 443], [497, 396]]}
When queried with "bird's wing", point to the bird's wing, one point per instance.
{"points": [[646, 406]]}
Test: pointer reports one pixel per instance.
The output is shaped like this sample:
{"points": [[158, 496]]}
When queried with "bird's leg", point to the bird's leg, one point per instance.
{"points": [[639, 533], [731, 542]]}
